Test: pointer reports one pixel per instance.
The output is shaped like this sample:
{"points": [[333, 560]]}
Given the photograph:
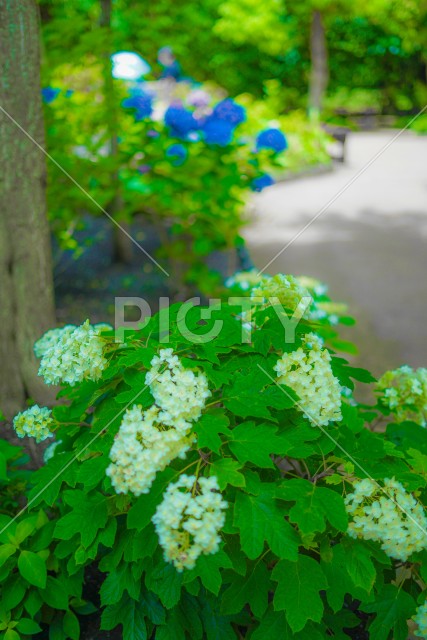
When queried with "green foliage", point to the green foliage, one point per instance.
{"points": [[266, 28], [298, 591], [196, 203], [31, 597], [420, 125], [286, 567], [308, 142], [369, 47], [35, 589], [241, 45], [13, 477]]}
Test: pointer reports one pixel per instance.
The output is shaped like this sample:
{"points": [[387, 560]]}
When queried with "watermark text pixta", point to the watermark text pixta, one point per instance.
{"points": [[209, 317]]}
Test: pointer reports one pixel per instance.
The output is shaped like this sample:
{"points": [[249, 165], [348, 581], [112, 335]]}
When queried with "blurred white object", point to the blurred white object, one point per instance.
{"points": [[129, 66]]}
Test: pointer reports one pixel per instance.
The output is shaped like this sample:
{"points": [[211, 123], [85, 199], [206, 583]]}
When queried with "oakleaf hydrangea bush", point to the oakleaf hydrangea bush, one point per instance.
{"points": [[223, 487]]}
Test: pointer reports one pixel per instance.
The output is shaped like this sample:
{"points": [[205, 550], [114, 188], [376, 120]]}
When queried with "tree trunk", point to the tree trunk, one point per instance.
{"points": [[319, 74], [26, 283]]}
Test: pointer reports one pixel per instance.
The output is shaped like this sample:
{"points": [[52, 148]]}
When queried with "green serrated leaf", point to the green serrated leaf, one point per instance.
{"points": [[393, 607], [172, 630], [87, 516], [252, 589], [141, 357], [49, 478], [250, 396], [128, 613], [297, 439], [313, 506], [137, 392], [227, 472], [297, 593], [255, 443], [274, 626], [351, 417], [133, 620], [216, 626], [418, 461], [117, 582], [208, 428], [190, 615], [152, 607], [260, 520], [143, 510], [92, 472], [208, 569], [166, 582], [359, 565], [339, 580]]}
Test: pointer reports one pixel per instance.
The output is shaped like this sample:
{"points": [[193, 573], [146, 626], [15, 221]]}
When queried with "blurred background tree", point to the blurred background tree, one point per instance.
{"points": [[241, 44], [340, 38]]}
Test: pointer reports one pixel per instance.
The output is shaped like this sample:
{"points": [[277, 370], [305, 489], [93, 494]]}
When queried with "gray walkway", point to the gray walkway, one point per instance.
{"points": [[370, 245]]}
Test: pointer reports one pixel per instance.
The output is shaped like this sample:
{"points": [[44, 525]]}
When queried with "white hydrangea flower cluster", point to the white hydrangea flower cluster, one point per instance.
{"points": [[76, 355], [34, 422], [391, 516], [244, 280], [404, 392], [308, 372], [289, 291], [50, 339], [180, 393], [144, 446], [420, 618], [148, 441], [188, 520], [286, 289]]}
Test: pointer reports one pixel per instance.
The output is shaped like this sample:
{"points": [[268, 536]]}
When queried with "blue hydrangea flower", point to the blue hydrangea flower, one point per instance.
{"points": [[49, 94], [218, 131], [178, 152], [142, 104], [229, 111], [180, 121], [271, 139], [262, 182]]}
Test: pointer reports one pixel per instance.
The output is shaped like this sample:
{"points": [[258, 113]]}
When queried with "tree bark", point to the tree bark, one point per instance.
{"points": [[319, 74], [26, 282]]}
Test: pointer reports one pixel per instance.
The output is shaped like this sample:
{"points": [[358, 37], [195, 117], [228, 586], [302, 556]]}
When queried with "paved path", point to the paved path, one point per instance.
{"points": [[370, 245]]}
